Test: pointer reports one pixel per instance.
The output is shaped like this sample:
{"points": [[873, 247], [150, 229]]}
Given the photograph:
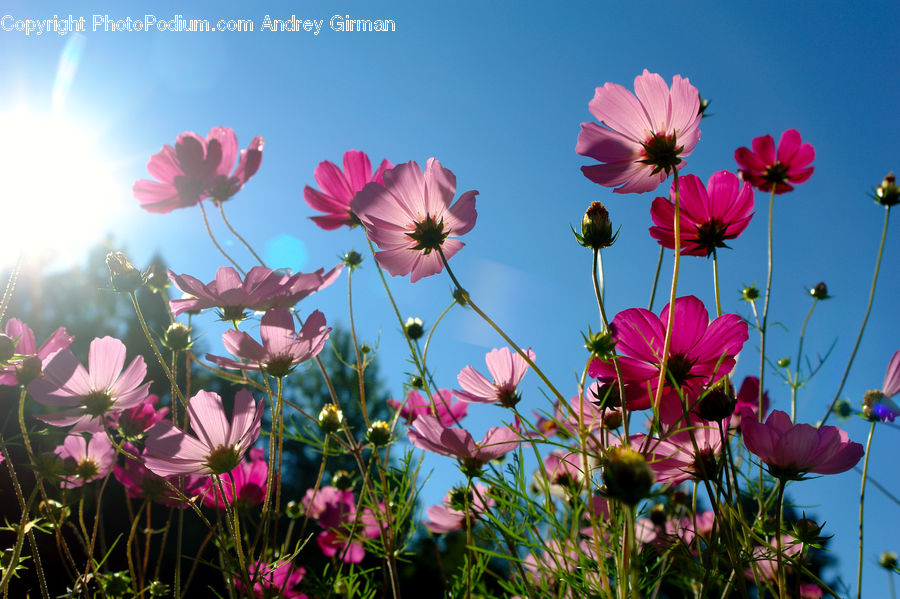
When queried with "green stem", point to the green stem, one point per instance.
{"points": [[10, 286], [837, 395], [156, 352], [656, 278], [661, 381], [796, 382], [779, 554], [216, 243], [765, 315], [238, 235], [360, 365], [598, 292], [716, 282], [862, 497]]}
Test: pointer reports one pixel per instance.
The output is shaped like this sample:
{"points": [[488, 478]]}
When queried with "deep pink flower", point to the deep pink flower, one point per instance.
{"points": [[710, 214], [244, 486], [338, 188], [449, 410], [89, 395], [273, 581], [410, 218], [450, 515], [643, 137], [792, 450], [260, 290], [29, 365], [429, 434], [219, 445], [87, 460], [811, 591], [134, 422], [197, 168], [765, 169], [336, 513], [748, 398], [139, 482], [282, 348], [673, 459], [507, 370], [700, 355]]}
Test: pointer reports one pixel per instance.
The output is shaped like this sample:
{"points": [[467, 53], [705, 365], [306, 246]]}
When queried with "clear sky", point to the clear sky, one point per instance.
{"points": [[497, 92]]}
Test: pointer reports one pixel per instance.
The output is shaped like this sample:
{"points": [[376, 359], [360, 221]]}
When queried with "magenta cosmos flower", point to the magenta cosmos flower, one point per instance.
{"points": [[139, 482], [244, 486], [87, 460], [273, 581], [449, 410], [219, 445], [29, 359], [429, 434], [336, 513], [748, 398], [339, 187], [260, 290], [450, 515], [89, 395], [792, 450], [710, 214], [410, 218], [282, 347], [766, 169], [507, 370], [643, 138], [701, 354], [197, 168], [673, 459]]}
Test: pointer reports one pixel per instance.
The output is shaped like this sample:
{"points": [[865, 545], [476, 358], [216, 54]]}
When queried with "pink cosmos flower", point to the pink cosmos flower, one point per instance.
{"points": [[765, 169], [710, 214], [219, 445], [282, 348], [139, 482], [507, 370], [410, 217], [197, 168], [700, 355], [792, 450], [450, 515], [89, 460], [339, 188], [273, 581], [449, 410], [260, 290], [23, 370], [134, 422], [673, 459], [643, 138], [336, 512], [244, 486], [811, 591], [878, 405], [429, 434], [765, 561], [89, 395], [748, 398]]}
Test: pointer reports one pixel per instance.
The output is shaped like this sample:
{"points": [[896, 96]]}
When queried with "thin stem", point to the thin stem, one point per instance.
{"points": [[656, 278], [10, 286], [796, 382], [360, 365], [862, 497], [862, 328], [156, 352], [598, 292], [216, 243], [238, 235], [661, 381], [716, 282], [779, 554], [765, 315]]}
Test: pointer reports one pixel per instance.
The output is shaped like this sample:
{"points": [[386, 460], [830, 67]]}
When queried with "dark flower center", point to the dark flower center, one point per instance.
{"points": [[711, 235], [189, 188], [97, 403], [705, 466], [233, 313], [86, 470], [429, 235], [459, 497], [279, 366], [661, 152], [223, 459], [678, 369], [508, 398], [777, 173]]}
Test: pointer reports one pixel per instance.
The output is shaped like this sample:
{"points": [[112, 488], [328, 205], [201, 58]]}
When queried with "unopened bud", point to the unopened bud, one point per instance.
{"points": [[843, 409], [784, 362], [342, 480], [658, 515], [177, 337], [331, 418], [601, 345], [750, 293], [379, 433], [717, 404], [461, 296], [704, 106], [414, 329], [612, 419], [122, 274], [809, 531], [158, 589], [29, 369], [820, 291], [157, 278], [888, 194], [888, 560], [596, 228], [417, 383], [7, 348], [352, 259], [365, 348], [626, 475], [293, 510]]}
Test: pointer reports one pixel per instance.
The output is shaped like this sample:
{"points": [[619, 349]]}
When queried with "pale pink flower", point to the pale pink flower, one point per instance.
{"points": [[411, 218], [429, 434], [87, 460], [30, 359], [507, 370], [339, 188], [449, 410], [139, 482], [273, 581], [643, 138], [673, 459], [219, 445], [282, 346], [450, 515], [792, 450], [89, 395], [244, 486], [765, 169]]}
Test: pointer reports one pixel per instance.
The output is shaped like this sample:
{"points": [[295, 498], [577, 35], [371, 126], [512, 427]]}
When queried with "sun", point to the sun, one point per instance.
{"points": [[58, 195]]}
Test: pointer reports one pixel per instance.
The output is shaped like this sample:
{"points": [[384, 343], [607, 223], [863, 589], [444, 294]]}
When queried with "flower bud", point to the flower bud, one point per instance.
{"points": [[158, 589], [352, 259], [784, 362], [717, 404], [124, 276], [809, 532], [116, 584], [601, 345], [461, 296], [379, 433], [331, 419], [843, 409], [293, 509], [612, 419], [342, 480], [658, 515], [365, 348], [157, 278], [53, 511], [29, 369], [750, 293], [626, 475], [596, 228], [820, 291], [414, 329], [888, 194], [704, 106], [888, 560], [417, 383], [177, 337], [7, 348]]}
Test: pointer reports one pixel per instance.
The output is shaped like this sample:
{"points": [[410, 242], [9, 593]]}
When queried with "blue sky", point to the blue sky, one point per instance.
{"points": [[497, 92]]}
